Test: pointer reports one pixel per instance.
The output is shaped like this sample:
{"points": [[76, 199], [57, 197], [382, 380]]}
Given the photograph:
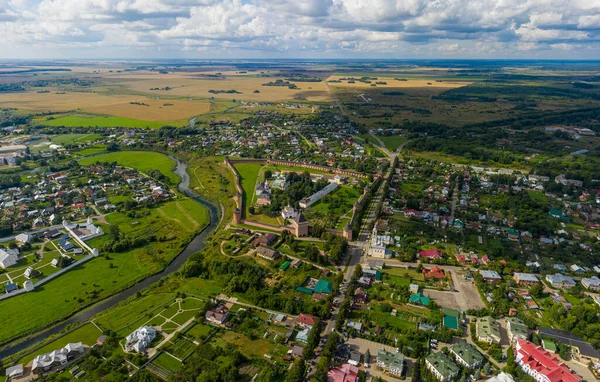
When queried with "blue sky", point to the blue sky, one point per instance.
{"points": [[565, 29]]}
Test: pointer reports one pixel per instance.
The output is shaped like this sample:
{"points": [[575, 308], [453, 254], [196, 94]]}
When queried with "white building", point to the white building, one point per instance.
{"points": [[592, 283], [289, 212], [378, 245], [140, 339], [24, 238], [8, 257], [56, 358], [307, 202]]}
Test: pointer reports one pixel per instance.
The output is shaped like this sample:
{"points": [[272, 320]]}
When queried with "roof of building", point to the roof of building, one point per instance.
{"points": [[419, 298], [300, 218], [285, 266], [14, 371], [517, 326], [323, 286], [526, 277], [565, 337], [390, 359], [490, 274], [542, 362], [487, 327], [468, 353], [307, 319], [443, 364]]}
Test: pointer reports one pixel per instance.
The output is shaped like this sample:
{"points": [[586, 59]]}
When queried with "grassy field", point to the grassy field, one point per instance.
{"points": [[102, 276], [84, 120], [249, 174], [65, 139], [131, 314], [393, 83], [143, 161], [165, 361], [392, 142], [97, 149], [87, 334]]}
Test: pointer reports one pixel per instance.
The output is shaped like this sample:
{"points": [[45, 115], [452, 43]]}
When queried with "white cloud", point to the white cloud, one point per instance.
{"points": [[403, 28]]}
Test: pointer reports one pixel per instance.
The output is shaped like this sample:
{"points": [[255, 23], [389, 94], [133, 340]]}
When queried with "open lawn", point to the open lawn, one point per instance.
{"points": [[88, 120], [97, 149], [393, 141], [199, 332], [87, 334], [143, 161], [124, 318], [74, 139], [165, 361], [101, 276], [256, 348], [249, 176]]}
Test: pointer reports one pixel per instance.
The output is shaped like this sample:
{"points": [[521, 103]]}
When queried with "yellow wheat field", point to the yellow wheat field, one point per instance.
{"points": [[117, 105]]}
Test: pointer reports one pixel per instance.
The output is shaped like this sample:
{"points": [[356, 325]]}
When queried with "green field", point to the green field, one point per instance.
{"points": [[143, 161], [392, 142], [130, 315], [65, 139], [84, 120], [165, 361], [249, 174], [87, 334], [102, 276]]}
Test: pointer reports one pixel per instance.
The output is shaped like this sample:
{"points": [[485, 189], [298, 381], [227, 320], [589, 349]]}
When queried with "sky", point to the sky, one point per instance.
{"points": [[204, 29]]}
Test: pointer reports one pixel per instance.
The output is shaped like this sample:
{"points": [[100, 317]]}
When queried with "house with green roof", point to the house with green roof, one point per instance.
{"points": [[323, 286], [452, 318], [442, 366], [467, 355], [419, 299], [390, 362], [515, 328], [487, 330]]}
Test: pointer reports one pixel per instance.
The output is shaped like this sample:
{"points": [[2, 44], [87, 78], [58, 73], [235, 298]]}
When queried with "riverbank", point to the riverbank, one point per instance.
{"points": [[195, 245]]}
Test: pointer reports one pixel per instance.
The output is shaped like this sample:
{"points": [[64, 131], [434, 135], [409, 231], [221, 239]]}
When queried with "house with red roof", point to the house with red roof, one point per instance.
{"points": [[431, 254], [541, 365], [435, 273], [345, 373], [306, 320]]}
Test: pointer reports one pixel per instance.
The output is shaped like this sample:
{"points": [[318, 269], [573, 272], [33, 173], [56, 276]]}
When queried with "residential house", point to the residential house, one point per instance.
{"points": [[516, 329], [442, 366], [393, 363], [487, 330], [267, 253], [526, 279], [490, 276], [434, 273], [8, 257], [592, 283], [431, 254], [218, 315], [419, 299], [306, 320], [345, 373], [560, 281], [467, 355], [14, 372]]}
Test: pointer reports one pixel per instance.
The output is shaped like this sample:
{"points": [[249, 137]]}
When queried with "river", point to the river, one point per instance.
{"points": [[195, 245]]}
